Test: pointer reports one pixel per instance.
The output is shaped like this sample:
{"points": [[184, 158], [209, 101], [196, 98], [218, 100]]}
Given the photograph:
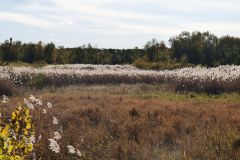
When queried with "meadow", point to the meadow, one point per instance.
{"points": [[119, 112]]}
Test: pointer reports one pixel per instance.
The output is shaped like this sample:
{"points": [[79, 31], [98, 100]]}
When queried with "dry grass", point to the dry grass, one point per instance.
{"points": [[135, 122]]}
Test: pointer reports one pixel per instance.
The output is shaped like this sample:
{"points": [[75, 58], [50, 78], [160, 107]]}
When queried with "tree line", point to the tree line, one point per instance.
{"points": [[187, 48], [206, 49]]}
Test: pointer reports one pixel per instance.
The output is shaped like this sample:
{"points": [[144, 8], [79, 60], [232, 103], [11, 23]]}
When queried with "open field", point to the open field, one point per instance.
{"points": [[119, 80], [135, 122]]}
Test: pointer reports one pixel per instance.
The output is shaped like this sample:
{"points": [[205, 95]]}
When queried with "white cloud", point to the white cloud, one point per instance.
{"points": [[132, 17], [95, 14], [67, 22], [201, 6], [26, 19], [219, 28], [93, 10]]}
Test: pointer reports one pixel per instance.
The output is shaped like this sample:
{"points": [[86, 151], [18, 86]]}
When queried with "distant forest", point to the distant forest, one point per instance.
{"points": [[197, 48]]}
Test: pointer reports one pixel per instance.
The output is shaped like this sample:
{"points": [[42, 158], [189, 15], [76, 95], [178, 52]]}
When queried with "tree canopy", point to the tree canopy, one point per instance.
{"points": [[195, 48]]}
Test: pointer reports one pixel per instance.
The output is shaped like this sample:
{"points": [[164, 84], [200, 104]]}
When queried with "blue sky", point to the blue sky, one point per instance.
{"points": [[114, 23]]}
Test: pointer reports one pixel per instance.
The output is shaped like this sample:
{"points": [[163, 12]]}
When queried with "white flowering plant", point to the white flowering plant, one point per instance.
{"points": [[223, 78]]}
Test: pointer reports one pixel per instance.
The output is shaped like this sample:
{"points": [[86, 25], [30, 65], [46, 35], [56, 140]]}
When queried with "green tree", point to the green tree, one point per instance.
{"points": [[200, 48], [30, 51], [50, 53], [6, 50], [229, 50], [40, 51], [1, 54]]}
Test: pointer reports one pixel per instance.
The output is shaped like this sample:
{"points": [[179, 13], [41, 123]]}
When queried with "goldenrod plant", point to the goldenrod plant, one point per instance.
{"points": [[17, 135]]}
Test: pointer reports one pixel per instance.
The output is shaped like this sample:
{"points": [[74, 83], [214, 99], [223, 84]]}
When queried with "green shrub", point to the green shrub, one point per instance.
{"points": [[38, 81], [160, 65]]}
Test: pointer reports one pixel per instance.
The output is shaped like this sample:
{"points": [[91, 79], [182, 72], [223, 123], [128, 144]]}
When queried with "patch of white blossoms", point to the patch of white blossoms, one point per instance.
{"points": [[71, 149], [49, 105], [28, 104], [5, 99], [55, 120], [44, 111], [79, 73], [56, 136], [54, 145], [35, 100], [79, 153]]}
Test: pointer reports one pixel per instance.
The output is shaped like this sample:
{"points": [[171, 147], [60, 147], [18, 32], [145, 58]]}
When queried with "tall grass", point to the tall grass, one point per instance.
{"points": [[211, 80], [103, 125]]}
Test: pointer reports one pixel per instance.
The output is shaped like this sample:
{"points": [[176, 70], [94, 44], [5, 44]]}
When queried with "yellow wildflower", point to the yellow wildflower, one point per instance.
{"points": [[30, 147], [5, 132], [13, 116], [28, 126], [10, 148], [27, 112]]}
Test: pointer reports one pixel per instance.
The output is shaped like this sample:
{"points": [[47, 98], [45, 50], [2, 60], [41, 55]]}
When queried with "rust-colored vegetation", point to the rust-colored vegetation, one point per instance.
{"points": [[135, 122]]}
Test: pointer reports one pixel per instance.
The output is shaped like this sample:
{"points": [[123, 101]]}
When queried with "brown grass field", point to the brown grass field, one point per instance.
{"points": [[137, 122]]}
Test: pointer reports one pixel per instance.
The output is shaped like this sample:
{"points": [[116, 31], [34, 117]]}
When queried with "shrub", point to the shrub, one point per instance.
{"points": [[236, 144], [16, 135], [134, 113], [7, 88], [37, 80]]}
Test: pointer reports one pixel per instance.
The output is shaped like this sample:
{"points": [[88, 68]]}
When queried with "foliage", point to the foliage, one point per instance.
{"points": [[205, 48], [17, 135], [229, 50], [187, 48], [37, 80], [170, 65], [50, 53]]}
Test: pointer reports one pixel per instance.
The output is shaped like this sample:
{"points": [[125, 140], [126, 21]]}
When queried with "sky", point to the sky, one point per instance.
{"points": [[114, 23]]}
